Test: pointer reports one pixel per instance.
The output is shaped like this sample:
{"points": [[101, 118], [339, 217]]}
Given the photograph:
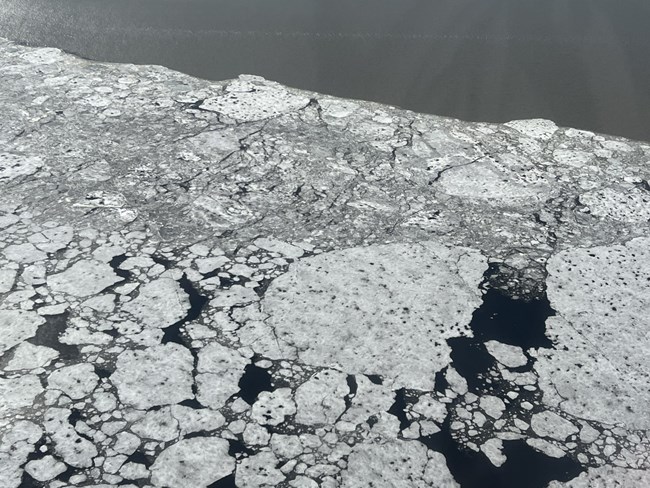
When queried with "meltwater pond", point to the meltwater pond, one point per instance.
{"points": [[582, 63]]}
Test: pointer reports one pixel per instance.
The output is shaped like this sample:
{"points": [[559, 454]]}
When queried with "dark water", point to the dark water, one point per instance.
{"points": [[49, 334], [525, 467], [510, 321], [254, 381], [582, 63]]}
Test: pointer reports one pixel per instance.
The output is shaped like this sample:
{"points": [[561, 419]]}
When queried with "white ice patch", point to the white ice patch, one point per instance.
{"points": [[17, 443], [235, 295], [53, 239], [492, 405], [76, 381], [394, 462], [257, 99], [493, 449], [383, 310], [624, 204], [16, 326], [184, 463], [25, 253], [45, 469], [160, 303], [43, 55], [509, 356], [219, 371], [159, 375], [29, 356], [259, 471], [550, 424], [7, 279], [536, 128], [13, 166], [607, 477], [195, 420], [275, 245], [83, 279], [74, 449], [272, 407], [159, 425], [18, 393], [368, 400], [493, 184], [601, 371], [320, 400]]}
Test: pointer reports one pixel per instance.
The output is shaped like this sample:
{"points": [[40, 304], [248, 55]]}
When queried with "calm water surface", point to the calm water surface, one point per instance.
{"points": [[582, 63]]}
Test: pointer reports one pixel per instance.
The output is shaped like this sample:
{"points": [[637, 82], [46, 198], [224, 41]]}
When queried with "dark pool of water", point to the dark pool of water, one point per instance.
{"points": [[254, 381], [511, 321], [49, 334], [582, 63]]}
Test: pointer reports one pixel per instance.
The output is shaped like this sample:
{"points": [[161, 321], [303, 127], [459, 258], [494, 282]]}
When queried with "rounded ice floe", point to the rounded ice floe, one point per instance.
{"points": [[75, 450], [52, 239], [101, 303], [45, 469], [493, 449], [160, 303], [214, 144], [599, 368], [16, 444], [573, 158], [624, 204], [159, 375], [536, 128], [367, 401], [383, 310], [83, 279], [275, 245], [29, 356], [76, 381], [206, 265], [7, 279], [492, 405], [21, 431], [195, 420], [509, 356], [126, 443], [396, 463], [337, 108], [272, 407], [430, 408], [259, 471], [320, 400], [25, 253], [159, 425], [546, 447], [248, 100], [104, 401], [607, 477], [16, 326], [495, 184], [134, 471], [15, 165], [197, 462], [43, 55], [18, 393], [219, 371], [586, 382], [550, 424], [256, 435], [235, 295]]}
